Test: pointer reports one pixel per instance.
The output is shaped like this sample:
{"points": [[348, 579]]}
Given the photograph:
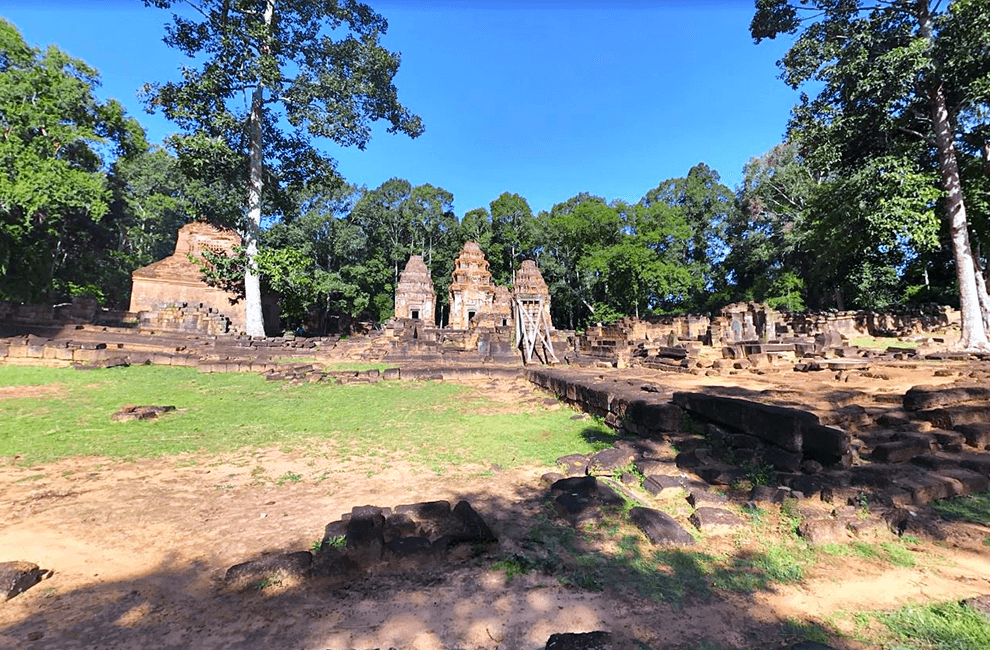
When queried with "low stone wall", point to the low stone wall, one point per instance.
{"points": [[623, 406], [789, 435], [899, 322], [794, 431]]}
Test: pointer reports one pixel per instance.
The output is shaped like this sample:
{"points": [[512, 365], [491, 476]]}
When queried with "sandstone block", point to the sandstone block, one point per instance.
{"points": [[18, 577], [659, 527], [716, 521]]}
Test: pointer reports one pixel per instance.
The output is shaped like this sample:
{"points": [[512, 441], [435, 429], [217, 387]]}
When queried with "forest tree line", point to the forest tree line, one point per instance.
{"points": [[849, 212]]}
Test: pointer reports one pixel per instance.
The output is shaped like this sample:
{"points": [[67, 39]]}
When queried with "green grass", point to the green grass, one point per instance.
{"points": [[433, 423], [938, 626], [975, 507], [893, 553], [632, 565], [881, 342]]}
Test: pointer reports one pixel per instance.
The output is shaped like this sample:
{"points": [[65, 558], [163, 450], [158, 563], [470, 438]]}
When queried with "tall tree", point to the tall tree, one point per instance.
{"points": [[512, 235], [54, 137], [311, 69], [706, 206], [895, 76]]}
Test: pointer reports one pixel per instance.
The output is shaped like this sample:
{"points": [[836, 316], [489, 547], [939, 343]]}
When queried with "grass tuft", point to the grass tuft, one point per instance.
{"points": [[939, 626], [975, 508]]}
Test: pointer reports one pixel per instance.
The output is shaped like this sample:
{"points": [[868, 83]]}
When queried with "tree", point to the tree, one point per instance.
{"points": [[768, 258], [706, 206], [512, 235], [572, 230], [311, 69], [54, 136], [896, 76]]}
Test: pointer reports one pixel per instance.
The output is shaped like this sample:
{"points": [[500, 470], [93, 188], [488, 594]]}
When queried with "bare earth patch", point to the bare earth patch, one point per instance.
{"points": [[14, 392]]}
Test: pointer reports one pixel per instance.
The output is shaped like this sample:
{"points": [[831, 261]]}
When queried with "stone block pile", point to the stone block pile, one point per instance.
{"points": [[371, 540], [929, 444]]}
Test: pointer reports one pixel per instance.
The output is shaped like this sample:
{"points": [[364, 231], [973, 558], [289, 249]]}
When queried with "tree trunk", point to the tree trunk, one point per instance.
{"points": [[255, 324], [974, 331]]}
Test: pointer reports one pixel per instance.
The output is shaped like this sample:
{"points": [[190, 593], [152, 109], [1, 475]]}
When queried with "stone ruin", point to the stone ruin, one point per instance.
{"points": [[529, 284], [482, 318], [472, 291], [751, 333], [371, 540], [170, 294], [415, 297]]}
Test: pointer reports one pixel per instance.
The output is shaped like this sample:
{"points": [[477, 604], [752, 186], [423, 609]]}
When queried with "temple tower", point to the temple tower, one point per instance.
{"points": [[471, 288], [415, 296], [531, 304], [177, 279]]}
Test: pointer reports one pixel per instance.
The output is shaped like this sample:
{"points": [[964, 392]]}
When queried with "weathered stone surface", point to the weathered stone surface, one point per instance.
{"points": [[782, 460], [979, 463], [431, 519], [920, 398], [900, 451], [951, 417], [475, 530], [610, 459], [659, 527], [132, 412], [690, 459], [574, 464], [793, 430], [767, 494], [698, 498], [976, 434], [366, 534], [661, 485], [332, 563], [930, 487], [18, 577], [582, 486], [649, 467], [979, 603], [169, 284], [822, 531], [415, 297], [609, 497], [715, 521], [720, 474], [655, 416], [411, 553], [580, 641], [254, 572], [971, 481], [577, 510]]}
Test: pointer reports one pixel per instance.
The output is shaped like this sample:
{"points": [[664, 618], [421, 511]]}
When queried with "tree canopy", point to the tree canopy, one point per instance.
{"points": [[311, 70], [903, 88]]}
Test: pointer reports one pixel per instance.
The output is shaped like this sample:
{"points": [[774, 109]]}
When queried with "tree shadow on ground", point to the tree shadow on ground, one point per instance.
{"points": [[543, 577]]}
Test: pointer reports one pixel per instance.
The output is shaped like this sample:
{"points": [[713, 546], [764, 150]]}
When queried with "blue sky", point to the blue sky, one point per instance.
{"points": [[542, 98]]}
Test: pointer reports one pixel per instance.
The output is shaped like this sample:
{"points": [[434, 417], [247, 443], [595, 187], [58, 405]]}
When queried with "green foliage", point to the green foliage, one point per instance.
{"points": [[311, 70], [514, 565], [882, 73], [975, 507], [53, 187], [946, 626], [886, 552]]}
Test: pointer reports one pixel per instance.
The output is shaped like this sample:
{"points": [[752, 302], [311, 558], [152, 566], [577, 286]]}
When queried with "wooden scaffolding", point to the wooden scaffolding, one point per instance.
{"points": [[533, 328]]}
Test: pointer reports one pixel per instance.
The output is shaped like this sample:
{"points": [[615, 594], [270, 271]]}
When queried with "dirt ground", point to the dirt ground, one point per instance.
{"points": [[138, 549]]}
